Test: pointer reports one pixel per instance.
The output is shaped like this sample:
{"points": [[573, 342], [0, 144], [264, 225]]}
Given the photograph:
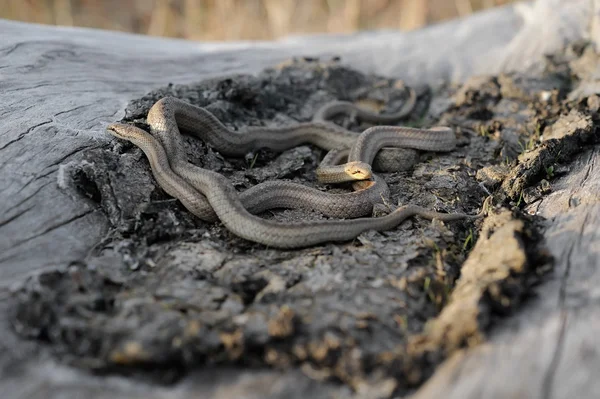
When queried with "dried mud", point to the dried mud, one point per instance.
{"points": [[165, 293]]}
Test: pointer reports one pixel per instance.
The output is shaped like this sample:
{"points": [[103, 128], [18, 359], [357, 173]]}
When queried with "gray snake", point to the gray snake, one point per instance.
{"points": [[187, 182]]}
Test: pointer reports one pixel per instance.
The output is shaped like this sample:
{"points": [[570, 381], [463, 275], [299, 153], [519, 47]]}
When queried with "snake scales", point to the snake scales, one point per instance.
{"points": [[211, 196]]}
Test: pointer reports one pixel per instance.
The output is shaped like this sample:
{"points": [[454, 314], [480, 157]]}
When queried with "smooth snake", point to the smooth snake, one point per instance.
{"points": [[187, 182]]}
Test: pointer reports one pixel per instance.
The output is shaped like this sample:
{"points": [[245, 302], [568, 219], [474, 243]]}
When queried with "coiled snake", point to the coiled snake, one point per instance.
{"points": [[210, 195]]}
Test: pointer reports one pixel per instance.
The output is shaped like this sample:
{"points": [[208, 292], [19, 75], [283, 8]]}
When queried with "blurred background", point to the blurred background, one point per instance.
{"points": [[218, 20]]}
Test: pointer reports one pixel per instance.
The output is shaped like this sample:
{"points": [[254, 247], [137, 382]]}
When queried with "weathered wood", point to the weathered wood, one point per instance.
{"points": [[59, 87], [549, 349]]}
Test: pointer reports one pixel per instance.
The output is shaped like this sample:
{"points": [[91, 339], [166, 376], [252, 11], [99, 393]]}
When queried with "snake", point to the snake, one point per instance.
{"points": [[185, 181], [224, 199], [334, 108], [281, 194], [203, 124], [371, 141], [170, 114]]}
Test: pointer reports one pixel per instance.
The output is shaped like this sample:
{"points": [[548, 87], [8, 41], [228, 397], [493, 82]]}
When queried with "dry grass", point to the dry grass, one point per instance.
{"points": [[240, 19]]}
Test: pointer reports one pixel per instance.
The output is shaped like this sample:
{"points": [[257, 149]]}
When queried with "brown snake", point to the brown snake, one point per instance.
{"points": [[186, 182], [280, 194]]}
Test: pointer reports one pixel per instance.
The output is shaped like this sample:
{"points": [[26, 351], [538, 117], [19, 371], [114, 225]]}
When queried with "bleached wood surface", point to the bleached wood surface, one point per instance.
{"points": [[550, 348], [59, 87]]}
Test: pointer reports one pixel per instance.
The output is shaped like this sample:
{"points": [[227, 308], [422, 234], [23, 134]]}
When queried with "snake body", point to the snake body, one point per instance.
{"points": [[210, 195], [226, 203], [334, 108], [372, 140], [169, 113], [203, 124]]}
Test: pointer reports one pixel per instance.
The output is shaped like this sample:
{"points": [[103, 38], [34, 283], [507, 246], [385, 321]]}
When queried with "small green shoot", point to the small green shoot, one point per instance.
{"points": [[527, 146], [253, 160], [436, 291], [483, 132], [428, 290], [468, 240], [520, 199], [531, 143], [557, 156]]}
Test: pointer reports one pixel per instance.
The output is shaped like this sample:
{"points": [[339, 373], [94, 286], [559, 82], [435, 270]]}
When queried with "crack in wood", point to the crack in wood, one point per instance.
{"points": [[51, 228], [25, 133], [16, 215], [35, 179]]}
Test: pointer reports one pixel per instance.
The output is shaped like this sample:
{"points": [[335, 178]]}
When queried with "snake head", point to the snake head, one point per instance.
{"points": [[127, 132], [120, 130], [358, 170]]}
